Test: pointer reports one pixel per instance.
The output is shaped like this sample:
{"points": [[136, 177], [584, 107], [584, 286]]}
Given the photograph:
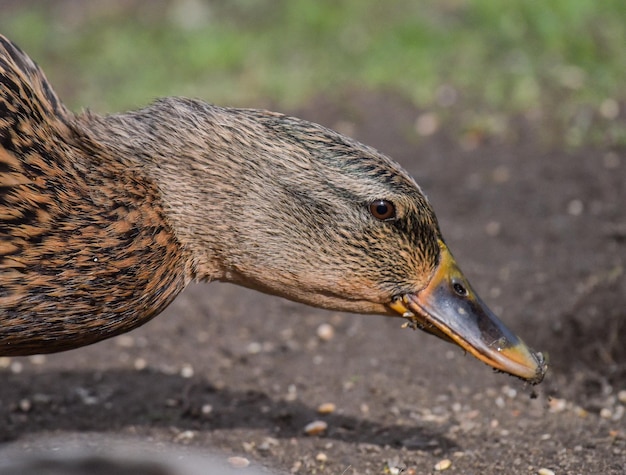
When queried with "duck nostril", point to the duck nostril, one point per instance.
{"points": [[460, 289]]}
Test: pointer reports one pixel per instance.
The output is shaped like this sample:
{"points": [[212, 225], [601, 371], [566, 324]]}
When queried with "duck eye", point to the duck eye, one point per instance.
{"points": [[383, 210]]}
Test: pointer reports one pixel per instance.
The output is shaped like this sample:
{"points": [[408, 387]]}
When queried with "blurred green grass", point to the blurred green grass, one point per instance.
{"points": [[563, 61]]}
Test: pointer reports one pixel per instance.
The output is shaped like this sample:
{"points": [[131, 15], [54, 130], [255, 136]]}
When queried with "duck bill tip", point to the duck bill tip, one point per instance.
{"points": [[450, 309]]}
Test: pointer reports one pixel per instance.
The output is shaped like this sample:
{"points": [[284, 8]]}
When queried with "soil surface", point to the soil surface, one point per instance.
{"points": [[541, 234]]}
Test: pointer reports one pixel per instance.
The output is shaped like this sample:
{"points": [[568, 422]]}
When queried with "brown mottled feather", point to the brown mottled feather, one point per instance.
{"points": [[104, 220]]}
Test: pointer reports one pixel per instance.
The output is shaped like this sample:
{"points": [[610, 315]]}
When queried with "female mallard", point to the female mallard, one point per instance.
{"points": [[104, 220]]}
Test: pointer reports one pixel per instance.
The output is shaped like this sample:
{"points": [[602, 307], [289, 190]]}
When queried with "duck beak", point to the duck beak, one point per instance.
{"points": [[450, 309]]}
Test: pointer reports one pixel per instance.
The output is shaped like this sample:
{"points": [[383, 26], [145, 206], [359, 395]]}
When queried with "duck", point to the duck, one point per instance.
{"points": [[105, 219]]}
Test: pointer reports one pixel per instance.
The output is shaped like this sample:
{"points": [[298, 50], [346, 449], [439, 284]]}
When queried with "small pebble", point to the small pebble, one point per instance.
{"points": [[325, 332], [321, 457], [185, 436], [442, 465], [267, 444], [509, 391], [238, 462], [186, 371], [605, 413], [575, 207], [292, 393], [545, 471], [326, 408], [206, 409], [621, 396], [315, 428], [25, 405]]}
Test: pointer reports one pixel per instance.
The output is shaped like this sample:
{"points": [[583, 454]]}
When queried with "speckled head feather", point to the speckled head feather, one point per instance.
{"points": [[104, 220]]}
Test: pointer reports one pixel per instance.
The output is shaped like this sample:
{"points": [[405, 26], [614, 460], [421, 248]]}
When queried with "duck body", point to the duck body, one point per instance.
{"points": [[105, 219], [73, 222]]}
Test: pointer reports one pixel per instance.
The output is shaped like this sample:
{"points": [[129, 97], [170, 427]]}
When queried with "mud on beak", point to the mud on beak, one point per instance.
{"points": [[449, 308]]}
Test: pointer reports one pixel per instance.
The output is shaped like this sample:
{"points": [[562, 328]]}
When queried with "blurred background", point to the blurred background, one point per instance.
{"points": [[561, 63], [511, 115]]}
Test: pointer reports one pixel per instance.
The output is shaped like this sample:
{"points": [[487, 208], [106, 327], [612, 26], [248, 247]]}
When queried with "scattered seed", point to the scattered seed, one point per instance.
{"points": [[575, 207], [501, 174], [509, 391], [254, 348], [493, 228], [292, 393], [315, 428], [325, 332], [140, 364], [16, 367], [125, 341], [321, 457], [580, 412], [37, 359], [557, 405], [238, 462], [326, 408], [545, 471], [442, 465]]}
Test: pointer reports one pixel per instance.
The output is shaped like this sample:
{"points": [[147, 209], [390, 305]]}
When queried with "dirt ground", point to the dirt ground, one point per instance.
{"points": [[540, 232]]}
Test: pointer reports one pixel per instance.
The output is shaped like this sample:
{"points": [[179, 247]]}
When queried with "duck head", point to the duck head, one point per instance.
{"points": [[303, 212]]}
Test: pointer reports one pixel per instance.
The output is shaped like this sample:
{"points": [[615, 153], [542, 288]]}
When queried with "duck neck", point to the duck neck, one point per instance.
{"points": [[190, 160]]}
